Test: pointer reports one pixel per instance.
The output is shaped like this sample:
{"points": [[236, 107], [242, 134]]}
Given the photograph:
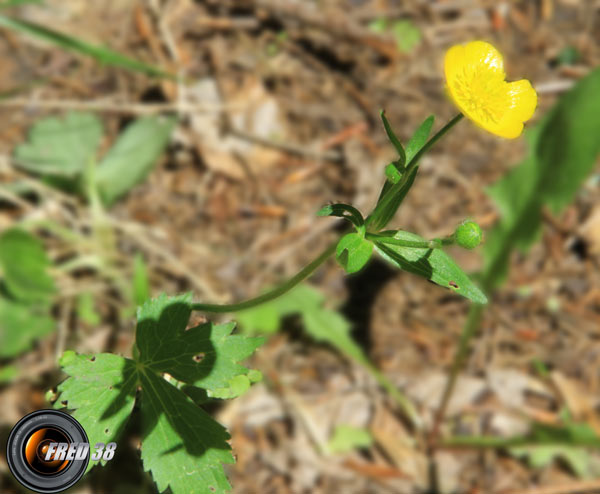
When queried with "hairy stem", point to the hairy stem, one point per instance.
{"points": [[276, 292]]}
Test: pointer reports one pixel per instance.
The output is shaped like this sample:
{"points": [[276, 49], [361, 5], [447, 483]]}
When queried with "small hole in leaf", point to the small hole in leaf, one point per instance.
{"points": [[105, 431], [93, 359], [211, 488], [199, 357], [64, 403], [110, 387], [453, 284]]}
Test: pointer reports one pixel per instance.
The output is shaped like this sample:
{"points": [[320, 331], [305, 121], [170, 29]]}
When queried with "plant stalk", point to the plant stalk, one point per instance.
{"points": [[469, 329], [276, 292], [414, 244]]}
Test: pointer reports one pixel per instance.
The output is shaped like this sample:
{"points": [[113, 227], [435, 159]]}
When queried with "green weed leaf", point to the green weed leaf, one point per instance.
{"points": [[182, 446], [346, 438], [407, 35], [86, 310], [20, 326], [141, 284], [432, 264], [24, 265], [563, 151], [132, 156], [101, 393], [61, 147], [353, 252], [323, 324], [568, 443]]}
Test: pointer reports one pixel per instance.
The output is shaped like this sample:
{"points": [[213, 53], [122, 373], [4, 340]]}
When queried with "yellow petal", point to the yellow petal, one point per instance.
{"points": [[523, 99], [475, 78], [480, 53]]}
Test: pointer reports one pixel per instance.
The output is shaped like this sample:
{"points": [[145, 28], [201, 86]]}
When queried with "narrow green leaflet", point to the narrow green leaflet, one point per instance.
{"points": [[20, 326], [344, 211], [419, 138], [432, 264], [132, 156], [182, 446], [100, 53], [393, 139], [388, 205], [61, 146], [353, 252], [225, 350], [393, 173], [24, 266], [563, 150]]}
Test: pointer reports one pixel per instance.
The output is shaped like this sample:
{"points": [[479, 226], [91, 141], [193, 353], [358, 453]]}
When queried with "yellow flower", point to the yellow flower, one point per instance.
{"points": [[476, 82]]}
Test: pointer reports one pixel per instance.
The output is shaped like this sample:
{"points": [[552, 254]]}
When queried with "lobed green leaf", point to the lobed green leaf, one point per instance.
{"points": [[182, 446], [132, 156], [61, 146]]}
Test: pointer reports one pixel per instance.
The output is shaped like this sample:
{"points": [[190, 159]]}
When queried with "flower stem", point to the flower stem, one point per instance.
{"points": [[469, 329], [375, 221], [414, 244], [276, 292]]}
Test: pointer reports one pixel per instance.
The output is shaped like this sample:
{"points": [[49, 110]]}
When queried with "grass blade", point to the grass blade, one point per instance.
{"points": [[102, 54]]}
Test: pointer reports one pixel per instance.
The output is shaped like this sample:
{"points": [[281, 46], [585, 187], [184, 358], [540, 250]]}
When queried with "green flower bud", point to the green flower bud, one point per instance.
{"points": [[468, 234]]}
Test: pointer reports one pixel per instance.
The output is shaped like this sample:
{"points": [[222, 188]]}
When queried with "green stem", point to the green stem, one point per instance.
{"points": [[403, 401], [469, 329], [414, 244], [438, 135], [382, 205], [511, 442], [276, 292]]}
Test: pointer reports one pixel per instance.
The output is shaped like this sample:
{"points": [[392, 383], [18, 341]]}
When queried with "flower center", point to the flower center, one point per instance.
{"points": [[482, 93]]}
